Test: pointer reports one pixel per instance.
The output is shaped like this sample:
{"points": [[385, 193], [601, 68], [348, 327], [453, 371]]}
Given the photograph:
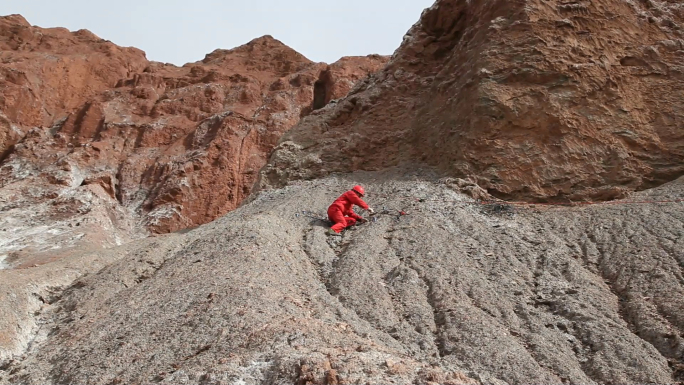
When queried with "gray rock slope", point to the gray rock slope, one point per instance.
{"points": [[453, 292]]}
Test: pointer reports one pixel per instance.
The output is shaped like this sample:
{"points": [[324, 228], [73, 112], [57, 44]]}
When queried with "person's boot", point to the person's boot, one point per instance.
{"points": [[333, 233]]}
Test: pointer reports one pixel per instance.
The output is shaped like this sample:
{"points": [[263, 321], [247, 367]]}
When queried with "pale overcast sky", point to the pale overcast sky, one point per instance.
{"points": [[184, 31]]}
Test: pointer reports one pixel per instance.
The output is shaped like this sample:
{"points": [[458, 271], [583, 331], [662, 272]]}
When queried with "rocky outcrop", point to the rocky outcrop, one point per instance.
{"points": [[95, 134], [532, 99], [48, 72], [336, 80]]}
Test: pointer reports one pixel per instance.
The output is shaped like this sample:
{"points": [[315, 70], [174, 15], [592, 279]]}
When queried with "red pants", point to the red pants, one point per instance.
{"points": [[341, 222]]}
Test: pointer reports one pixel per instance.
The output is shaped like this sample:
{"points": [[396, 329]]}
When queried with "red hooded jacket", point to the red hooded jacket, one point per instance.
{"points": [[347, 201]]}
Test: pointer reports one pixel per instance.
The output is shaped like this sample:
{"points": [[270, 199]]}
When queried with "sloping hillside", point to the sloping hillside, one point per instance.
{"points": [[590, 294]]}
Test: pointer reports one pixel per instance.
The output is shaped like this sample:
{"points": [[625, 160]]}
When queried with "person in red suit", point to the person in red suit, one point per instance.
{"points": [[341, 212]]}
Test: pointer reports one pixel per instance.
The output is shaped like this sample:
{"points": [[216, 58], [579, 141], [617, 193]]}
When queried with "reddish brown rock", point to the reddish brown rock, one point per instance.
{"points": [[531, 99], [47, 72], [336, 80], [175, 147]]}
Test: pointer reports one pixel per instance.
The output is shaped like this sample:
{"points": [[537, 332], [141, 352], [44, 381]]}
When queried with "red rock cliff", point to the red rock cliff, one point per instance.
{"points": [[540, 100]]}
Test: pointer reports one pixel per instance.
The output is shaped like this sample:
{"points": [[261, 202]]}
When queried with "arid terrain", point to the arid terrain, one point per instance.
{"points": [[163, 224], [452, 290]]}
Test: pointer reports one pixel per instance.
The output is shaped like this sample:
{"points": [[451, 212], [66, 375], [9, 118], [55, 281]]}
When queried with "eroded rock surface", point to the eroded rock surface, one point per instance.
{"points": [[452, 290], [100, 146], [537, 100], [47, 72]]}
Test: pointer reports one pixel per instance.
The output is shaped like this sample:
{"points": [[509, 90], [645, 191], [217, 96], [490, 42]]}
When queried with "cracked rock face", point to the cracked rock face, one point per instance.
{"points": [[453, 292], [535, 100]]}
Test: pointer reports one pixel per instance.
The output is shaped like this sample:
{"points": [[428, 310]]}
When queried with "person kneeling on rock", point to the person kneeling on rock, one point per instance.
{"points": [[341, 212]]}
